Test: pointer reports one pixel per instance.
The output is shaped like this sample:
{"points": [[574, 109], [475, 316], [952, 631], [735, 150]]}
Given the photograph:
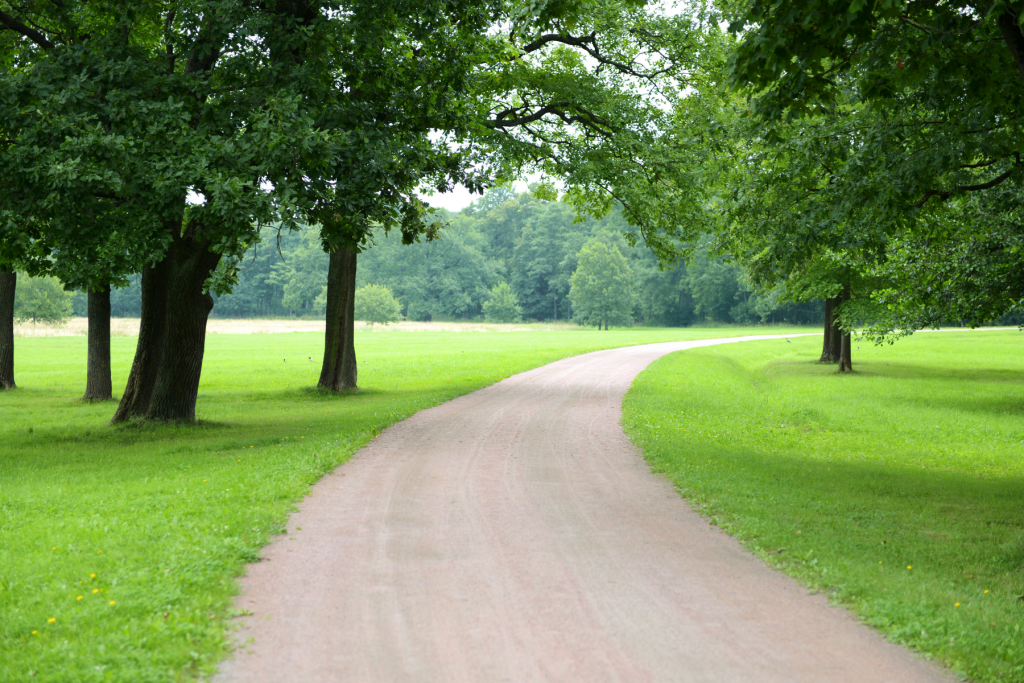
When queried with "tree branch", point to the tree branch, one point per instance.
{"points": [[18, 27], [1001, 178]]}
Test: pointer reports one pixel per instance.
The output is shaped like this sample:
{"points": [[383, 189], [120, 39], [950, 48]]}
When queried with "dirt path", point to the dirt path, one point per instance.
{"points": [[515, 534]]}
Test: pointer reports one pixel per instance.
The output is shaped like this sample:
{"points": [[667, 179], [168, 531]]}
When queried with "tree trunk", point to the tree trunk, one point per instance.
{"points": [[339, 367], [97, 382], [832, 341], [8, 283], [152, 339], [1013, 36], [845, 355], [188, 308]]}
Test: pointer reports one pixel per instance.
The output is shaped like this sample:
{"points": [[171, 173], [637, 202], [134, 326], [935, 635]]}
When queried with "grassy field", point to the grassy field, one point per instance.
{"points": [[119, 546], [898, 490]]}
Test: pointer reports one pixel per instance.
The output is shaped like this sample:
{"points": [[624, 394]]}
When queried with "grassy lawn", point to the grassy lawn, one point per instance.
{"points": [[898, 490], [119, 546]]}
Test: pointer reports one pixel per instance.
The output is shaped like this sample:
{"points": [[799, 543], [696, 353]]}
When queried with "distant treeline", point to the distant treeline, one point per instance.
{"points": [[504, 236]]}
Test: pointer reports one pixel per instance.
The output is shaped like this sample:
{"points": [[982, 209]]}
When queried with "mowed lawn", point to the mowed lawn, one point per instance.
{"points": [[119, 546], [898, 490]]}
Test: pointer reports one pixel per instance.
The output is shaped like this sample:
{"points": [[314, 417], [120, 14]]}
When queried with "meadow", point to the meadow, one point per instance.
{"points": [[897, 490], [119, 546]]}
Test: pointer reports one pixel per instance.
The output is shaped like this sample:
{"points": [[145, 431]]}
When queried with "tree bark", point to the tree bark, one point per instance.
{"points": [[8, 284], [1013, 36], [97, 382], [152, 339], [339, 369], [188, 308], [832, 341], [845, 355]]}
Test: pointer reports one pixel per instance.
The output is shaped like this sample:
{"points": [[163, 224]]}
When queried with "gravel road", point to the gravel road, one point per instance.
{"points": [[515, 534]]}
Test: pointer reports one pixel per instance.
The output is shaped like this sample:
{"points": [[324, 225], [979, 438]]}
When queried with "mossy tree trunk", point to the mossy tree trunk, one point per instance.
{"points": [[8, 284], [339, 367], [97, 381]]}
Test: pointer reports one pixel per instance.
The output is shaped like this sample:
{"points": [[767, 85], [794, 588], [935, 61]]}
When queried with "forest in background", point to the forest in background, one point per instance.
{"points": [[504, 236]]}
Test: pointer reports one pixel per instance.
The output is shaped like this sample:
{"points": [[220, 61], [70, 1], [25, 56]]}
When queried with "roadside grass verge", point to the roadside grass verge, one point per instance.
{"points": [[898, 490], [119, 546]]}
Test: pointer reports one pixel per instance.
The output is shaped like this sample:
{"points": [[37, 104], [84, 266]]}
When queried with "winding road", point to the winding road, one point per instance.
{"points": [[515, 534]]}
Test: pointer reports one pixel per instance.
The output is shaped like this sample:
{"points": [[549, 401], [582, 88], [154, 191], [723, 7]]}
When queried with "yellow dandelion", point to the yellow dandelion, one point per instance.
{"points": [[909, 567], [92, 576], [986, 591], [78, 598], [956, 604], [99, 552], [95, 590], [113, 602], [52, 619], [35, 632], [54, 547]]}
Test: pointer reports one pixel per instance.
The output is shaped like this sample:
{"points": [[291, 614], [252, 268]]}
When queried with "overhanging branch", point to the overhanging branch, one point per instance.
{"points": [[35, 36]]}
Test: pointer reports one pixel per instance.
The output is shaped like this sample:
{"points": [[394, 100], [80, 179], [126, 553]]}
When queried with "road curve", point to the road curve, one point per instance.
{"points": [[515, 534]]}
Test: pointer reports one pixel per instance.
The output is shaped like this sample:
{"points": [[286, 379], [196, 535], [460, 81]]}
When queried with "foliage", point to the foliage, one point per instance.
{"points": [[895, 126], [972, 276], [602, 286], [502, 306], [376, 304], [893, 490], [515, 237], [41, 299], [179, 512], [586, 97], [303, 275], [446, 278]]}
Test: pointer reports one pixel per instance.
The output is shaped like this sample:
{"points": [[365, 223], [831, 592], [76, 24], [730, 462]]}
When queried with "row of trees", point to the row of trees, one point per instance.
{"points": [[160, 139], [867, 155], [529, 243]]}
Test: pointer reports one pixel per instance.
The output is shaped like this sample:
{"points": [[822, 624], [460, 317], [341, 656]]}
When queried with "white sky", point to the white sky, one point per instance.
{"points": [[460, 197], [454, 201]]}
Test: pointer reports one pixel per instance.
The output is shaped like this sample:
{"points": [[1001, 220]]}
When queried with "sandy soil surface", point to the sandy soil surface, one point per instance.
{"points": [[515, 534], [129, 327]]}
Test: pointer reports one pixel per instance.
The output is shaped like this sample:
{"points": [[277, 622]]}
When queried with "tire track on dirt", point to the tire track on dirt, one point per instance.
{"points": [[514, 534]]}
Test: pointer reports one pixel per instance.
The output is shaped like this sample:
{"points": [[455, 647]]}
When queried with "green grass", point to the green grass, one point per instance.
{"points": [[150, 524], [898, 490]]}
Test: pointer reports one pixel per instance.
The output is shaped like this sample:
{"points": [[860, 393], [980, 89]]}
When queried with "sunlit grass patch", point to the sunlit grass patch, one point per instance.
{"points": [[898, 489]]}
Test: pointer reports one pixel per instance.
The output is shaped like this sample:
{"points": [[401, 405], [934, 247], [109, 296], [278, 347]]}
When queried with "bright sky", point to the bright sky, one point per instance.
{"points": [[454, 201], [460, 197]]}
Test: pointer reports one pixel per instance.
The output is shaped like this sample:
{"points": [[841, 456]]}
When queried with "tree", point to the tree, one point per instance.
{"points": [[186, 128], [602, 287], [502, 306], [42, 299], [8, 287], [924, 99], [376, 304]]}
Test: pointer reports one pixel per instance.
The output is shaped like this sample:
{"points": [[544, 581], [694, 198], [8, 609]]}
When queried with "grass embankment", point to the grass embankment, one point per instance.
{"points": [[899, 490], [119, 546]]}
